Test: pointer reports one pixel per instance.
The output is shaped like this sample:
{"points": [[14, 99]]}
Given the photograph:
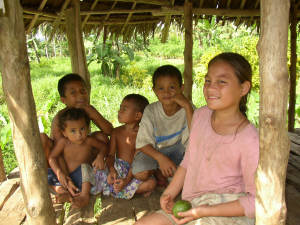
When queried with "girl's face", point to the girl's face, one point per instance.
{"points": [[76, 131], [222, 89], [76, 94], [128, 112]]}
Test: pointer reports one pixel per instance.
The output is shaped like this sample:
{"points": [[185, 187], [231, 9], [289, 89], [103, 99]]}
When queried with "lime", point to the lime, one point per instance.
{"points": [[181, 206]]}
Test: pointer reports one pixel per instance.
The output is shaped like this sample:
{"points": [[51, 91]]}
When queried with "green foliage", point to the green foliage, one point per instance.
{"points": [[135, 76], [111, 57]]}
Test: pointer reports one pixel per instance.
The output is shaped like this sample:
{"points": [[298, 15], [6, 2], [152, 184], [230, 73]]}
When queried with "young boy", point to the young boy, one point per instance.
{"points": [[118, 181], [164, 128], [76, 149], [73, 93]]}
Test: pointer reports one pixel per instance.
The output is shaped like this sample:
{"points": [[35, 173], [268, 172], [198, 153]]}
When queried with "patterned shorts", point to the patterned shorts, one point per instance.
{"points": [[122, 167]]}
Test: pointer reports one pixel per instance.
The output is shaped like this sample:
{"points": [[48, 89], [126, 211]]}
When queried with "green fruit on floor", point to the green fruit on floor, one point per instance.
{"points": [[181, 206]]}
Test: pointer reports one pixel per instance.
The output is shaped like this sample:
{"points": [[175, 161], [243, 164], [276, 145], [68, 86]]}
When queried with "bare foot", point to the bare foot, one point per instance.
{"points": [[147, 194], [80, 201], [62, 198]]}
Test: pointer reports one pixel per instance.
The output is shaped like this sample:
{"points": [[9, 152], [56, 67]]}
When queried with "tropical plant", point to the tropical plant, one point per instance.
{"points": [[111, 57]]}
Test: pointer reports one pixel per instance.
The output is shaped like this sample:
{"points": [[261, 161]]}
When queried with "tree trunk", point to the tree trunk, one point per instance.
{"points": [[75, 41], [274, 142], [188, 49], [22, 113], [2, 171], [34, 46], [293, 48]]}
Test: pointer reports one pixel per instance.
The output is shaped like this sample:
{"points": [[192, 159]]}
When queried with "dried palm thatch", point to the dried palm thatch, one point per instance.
{"points": [[127, 18]]}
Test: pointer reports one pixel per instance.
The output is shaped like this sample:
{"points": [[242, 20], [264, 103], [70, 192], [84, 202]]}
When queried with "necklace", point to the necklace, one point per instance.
{"points": [[211, 147]]}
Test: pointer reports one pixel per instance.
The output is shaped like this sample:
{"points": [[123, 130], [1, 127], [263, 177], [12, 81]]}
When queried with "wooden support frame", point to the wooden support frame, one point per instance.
{"points": [[128, 18], [274, 142], [58, 19], [33, 21], [188, 49], [19, 99], [88, 16], [75, 42], [293, 65]]}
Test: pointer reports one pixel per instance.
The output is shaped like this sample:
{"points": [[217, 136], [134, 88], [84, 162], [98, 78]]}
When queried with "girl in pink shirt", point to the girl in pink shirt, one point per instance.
{"points": [[218, 169]]}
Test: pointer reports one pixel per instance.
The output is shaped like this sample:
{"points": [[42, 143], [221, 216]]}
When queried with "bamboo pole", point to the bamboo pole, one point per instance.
{"points": [[75, 42], [293, 49], [188, 49], [274, 142], [19, 99]]}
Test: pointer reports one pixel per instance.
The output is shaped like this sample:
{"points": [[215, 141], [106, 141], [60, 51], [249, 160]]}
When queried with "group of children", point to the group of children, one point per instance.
{"points": [[209, 156]]}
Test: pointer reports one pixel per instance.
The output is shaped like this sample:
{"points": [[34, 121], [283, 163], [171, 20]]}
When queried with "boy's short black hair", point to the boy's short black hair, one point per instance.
{"points": [[71, 114], [140, 101], [167, 70], [67, 79]]}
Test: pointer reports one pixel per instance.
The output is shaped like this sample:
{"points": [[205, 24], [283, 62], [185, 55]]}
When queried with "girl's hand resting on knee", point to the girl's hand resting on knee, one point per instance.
{"points": [[192, 214], [166, 203]]}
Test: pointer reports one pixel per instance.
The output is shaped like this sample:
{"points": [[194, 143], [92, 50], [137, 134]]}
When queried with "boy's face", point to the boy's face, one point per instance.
{"points": [[76, 94], [128, 112], [76, 131], [166, 87]]}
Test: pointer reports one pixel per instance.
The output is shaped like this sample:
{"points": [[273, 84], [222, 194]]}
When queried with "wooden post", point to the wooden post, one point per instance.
{"points": [[22, 113], [2, 171], [75, 42], [274, 142], [188, 49], [293, 48]]}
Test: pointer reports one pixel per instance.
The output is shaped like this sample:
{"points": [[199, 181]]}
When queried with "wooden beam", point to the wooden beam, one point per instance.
{"points": [[274, 142], [178, 10], [87, 16], [104, 23], [188, 49], [57, 20], [75, 42], [293, 66], [33, 21], [150, 2], [128, 18], [22, 112], [36, 12]]}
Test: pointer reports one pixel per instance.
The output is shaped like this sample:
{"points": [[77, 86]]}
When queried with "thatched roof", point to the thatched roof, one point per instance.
{"points": [[127, 17]]}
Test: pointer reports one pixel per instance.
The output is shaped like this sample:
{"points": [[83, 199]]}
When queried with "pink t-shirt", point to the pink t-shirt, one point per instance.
{"points": [[220, 164]]}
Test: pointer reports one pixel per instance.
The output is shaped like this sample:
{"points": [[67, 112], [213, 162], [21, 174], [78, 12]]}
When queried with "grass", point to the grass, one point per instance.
{"points": [[106, 95]]}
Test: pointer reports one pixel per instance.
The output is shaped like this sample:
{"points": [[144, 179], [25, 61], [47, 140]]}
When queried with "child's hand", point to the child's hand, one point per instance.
{"points": [[74, 191], [99, 162], [181, 100], [62, 178], [166, 203], [192, 214], [167, 166], [119, 184], [112, 176]]}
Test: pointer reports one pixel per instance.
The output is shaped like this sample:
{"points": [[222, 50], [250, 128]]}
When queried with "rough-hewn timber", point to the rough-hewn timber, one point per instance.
{"points": [[274, 142]]}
